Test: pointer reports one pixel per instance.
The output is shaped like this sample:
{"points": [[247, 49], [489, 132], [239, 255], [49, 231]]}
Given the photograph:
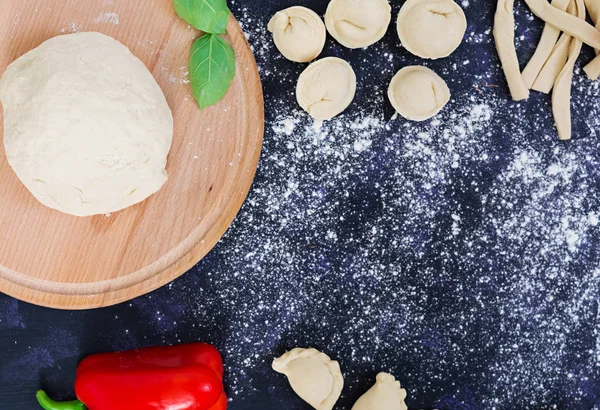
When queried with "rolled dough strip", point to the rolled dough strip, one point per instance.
{"points": [[561, 97], [557, 60], [593, 9], [547, 77], [544, 49], [571, 25], [504, 35], [592, 69]]}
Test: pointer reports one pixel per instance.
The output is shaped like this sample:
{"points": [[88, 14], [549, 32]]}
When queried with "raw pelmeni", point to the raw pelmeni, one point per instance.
{"points": [[431, 28], [358, 23], [326, 88], [417, 93], [299, 33]]}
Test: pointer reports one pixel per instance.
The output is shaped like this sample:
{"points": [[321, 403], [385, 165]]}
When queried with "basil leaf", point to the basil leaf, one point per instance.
{"points": [[210, 16], [212, 68]]}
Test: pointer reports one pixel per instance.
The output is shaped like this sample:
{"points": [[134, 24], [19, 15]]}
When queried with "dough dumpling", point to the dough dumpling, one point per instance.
{"points": [[326, 88], [417, 93], [358, 23], [431, 28], [386, 394], [299, 33], [315, 378], [86, 127]]}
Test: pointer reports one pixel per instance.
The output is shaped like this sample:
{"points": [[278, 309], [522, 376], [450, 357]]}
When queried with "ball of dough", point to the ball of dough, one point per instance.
{"points": [[358, 23], [86, 127], [299, 33], [326, 88], [431, 28], [417, 93]]}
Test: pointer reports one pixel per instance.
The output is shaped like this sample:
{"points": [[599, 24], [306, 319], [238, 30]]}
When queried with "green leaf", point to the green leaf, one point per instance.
{"points": [[212, 68], [210, 16]]}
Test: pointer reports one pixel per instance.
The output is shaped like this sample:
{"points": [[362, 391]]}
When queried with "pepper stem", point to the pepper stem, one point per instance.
{"points": [[48, 404]]}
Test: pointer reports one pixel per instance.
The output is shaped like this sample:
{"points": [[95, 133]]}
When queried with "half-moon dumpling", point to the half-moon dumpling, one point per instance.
{"points": [[315, 378], [386, 394]]}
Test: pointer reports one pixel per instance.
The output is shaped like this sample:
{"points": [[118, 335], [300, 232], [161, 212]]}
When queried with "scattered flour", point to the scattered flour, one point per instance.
{"points": [[112, 18], [458, 253]]}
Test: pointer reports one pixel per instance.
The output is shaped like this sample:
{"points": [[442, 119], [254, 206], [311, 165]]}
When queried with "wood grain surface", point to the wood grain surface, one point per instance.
{"points": [[56, 260]]}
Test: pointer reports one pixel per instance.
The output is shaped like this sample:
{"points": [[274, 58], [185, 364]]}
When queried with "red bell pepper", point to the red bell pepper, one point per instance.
{"points": [[185, 377]]}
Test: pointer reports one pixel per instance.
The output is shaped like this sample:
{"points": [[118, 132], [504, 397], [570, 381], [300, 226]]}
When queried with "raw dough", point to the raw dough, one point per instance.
{"points": [[547, 77], [431, 28], [565, 22], [386, 394], [561, 97], [299, 33], [326, 88], [87, 128], [358, 23], [544, 48], [315, 378], [417, 93], [557, 60], [593, 9], [593, 68], [504, 35]]}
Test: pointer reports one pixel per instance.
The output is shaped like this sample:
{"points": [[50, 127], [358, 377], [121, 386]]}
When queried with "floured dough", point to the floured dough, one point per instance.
{"points": [[315, 378], [543, 49], [299, 33], [592, 69], [565, 22], [358, 23], [326, 88], [431, 28], [417, 93], [557, 60], [546, 78], [561, 97], [504, 36], [87, 128], [386, 394]]}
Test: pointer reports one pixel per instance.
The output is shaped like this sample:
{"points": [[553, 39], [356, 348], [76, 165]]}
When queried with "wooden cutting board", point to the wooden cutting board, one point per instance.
{"points": [[56, 260]]}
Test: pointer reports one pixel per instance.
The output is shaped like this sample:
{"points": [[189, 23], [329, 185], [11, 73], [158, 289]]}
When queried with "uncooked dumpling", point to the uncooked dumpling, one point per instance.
{"points": [[326, 88], [315, 378], [386, 394], [86, 127], [431, 28], [417, 93], [358, 23], [299, 33]]}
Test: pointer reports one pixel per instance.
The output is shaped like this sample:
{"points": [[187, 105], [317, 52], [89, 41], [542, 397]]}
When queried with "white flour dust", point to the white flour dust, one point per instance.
{"points": [[112, 18]]}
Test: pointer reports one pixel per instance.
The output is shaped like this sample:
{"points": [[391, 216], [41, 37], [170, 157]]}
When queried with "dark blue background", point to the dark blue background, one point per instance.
{"points": [[501, 313]]}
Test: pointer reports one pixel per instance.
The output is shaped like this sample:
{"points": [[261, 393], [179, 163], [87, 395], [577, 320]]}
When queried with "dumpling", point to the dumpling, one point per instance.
{"points": [[386, 394], [326, 88], [299, 33], [314, 377]]}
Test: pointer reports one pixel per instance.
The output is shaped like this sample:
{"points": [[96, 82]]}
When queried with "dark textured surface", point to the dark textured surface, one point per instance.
{"points": [[459, 254]]}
